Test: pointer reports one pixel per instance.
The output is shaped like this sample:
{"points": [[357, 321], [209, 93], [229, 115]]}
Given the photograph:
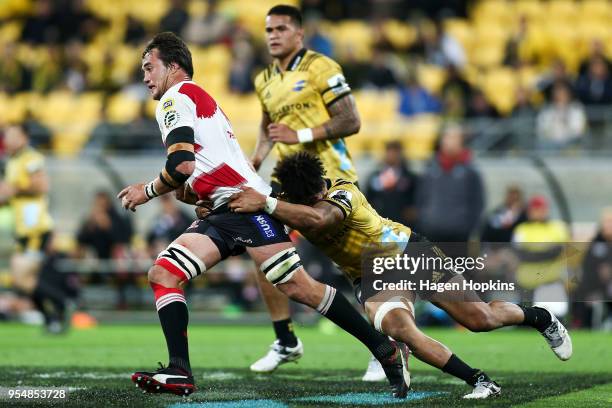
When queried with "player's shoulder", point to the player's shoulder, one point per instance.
{"points": [[341, 188], [263, 76], [316, 62]]}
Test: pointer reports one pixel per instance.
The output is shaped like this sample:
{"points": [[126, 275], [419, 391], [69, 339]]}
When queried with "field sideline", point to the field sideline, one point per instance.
{"points": [[96, 364]]}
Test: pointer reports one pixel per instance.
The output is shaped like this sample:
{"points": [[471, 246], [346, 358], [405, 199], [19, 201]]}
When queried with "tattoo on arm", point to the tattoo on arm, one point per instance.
{"points": [[344, 118]]}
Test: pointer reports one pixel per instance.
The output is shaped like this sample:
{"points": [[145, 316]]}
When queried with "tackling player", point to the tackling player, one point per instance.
{"points": [[336, 217], [25, 188], [306, 105], [203, 153]]}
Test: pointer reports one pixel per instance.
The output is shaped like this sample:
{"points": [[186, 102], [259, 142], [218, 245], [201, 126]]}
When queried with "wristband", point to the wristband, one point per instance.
{"points": [[305, 135], [271, 203], [150, 190]]}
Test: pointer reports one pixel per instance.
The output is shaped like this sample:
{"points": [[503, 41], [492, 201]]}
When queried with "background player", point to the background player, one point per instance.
{"points": [[25, 188], [203, 151], [306, 105], [336, 217]]}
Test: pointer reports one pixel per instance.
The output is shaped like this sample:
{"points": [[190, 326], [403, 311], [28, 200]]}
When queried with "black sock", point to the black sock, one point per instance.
{"points": [[39, 302], [284, 332], [174, 318], [53, 298], [536, 317], [337, 308], [457, 368]]}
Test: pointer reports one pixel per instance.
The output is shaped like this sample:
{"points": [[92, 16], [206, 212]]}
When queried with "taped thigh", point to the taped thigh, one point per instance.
{"points": [[181, 262], [396, 302], [280, 268]]}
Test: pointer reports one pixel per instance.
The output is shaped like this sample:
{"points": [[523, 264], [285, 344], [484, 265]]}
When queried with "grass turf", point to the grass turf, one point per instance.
{"points": [[98, 363]]}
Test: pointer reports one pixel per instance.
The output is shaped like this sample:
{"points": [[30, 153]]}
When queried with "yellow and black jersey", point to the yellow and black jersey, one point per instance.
{"points": [[299, 98], [362, 227], [31, 212]]}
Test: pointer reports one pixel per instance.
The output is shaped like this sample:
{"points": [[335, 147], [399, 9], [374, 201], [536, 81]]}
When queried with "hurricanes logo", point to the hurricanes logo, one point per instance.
{"points": [[171, 118], [299, 85]]}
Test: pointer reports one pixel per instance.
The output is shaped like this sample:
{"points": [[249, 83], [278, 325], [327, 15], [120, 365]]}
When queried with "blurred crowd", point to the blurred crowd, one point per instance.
{"points": [[413, 49]]}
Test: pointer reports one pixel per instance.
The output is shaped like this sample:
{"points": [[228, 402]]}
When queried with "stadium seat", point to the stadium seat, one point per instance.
{"points": [[432, 77], [122, 108], [419, 136], [499, 85]]}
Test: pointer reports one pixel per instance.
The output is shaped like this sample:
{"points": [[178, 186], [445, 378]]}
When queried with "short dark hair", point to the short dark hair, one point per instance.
{"points": [[301, 177], [171, 49], [284, 10]]}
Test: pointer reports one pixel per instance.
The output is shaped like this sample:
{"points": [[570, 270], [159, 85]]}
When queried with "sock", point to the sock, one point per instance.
{"points": [[174, 318], [337, 308], [536, 317], [284, 332], [39, 302], [457, 368], [53, 298]]}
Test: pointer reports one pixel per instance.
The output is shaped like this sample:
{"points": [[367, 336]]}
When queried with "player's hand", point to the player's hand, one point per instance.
{"points": [[204, 207], [281, 133], [185, 194], [247, 201], [132, 196]]}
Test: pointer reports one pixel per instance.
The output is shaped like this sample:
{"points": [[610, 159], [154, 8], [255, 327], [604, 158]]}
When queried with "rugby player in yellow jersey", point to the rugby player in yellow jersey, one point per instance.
{"points": [[25, 188], [306, 105], [336, 217]]}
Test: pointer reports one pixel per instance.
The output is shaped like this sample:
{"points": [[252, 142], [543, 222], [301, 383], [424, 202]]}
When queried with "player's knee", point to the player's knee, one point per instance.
{"points": [[161, 276]]}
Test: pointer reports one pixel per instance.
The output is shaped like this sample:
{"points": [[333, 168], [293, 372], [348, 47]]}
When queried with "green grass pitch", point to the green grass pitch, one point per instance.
{"points": [[96, 365]]}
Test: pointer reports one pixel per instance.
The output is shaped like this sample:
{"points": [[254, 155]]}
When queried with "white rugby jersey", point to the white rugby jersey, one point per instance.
{"points": [[221, 167]]}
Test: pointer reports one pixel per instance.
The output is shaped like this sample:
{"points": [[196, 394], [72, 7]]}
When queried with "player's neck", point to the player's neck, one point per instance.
{"points": [[283, 63], [177, 79]]}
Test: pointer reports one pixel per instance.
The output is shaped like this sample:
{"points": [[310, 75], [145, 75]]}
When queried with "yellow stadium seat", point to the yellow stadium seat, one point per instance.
{"points": [[461, 30], [399, 33], [493, 11], [377, 106], [562, 10], [530, 8], [499, 85], [419, 136], [352, 37], [14, 108], [122, 108], [595, 10], [489, 55], [431, 77]]}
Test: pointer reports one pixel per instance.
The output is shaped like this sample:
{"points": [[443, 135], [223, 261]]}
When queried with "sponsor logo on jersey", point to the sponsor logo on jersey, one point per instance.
{"points": [[287, 109], [171, 118], [167, 104], [244, 240], [299, 85], [264, 223]]}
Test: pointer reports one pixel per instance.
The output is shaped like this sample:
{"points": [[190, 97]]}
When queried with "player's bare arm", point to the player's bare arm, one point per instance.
{"points": [[264, 144], [180, 164], [344, 121], [319, 217]]}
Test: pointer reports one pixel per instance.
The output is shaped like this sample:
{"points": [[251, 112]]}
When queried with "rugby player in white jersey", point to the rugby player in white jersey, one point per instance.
{"points": [[203, 153]]}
